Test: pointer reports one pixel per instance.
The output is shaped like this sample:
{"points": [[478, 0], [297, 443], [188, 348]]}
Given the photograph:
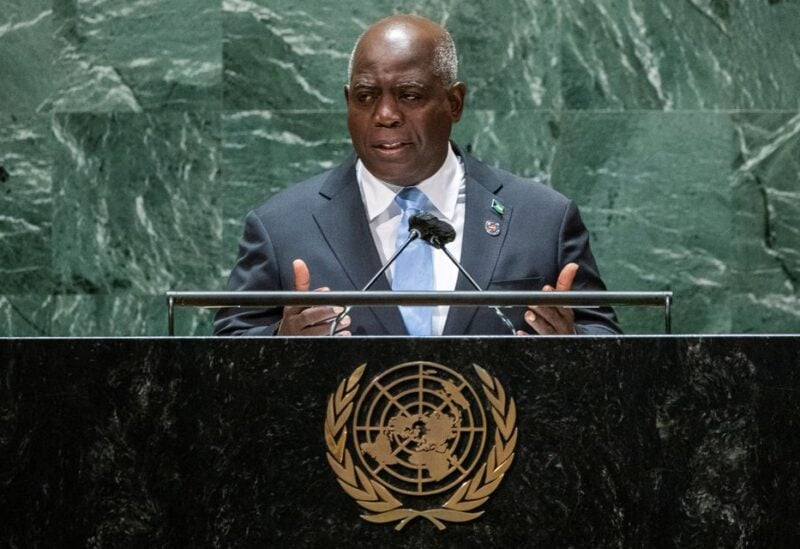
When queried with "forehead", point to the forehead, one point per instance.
{"points": [[394, 54]]}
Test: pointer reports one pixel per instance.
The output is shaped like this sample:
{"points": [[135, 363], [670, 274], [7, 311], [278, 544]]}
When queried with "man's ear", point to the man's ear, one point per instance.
{"points": [[346, 95], [456, 96]]}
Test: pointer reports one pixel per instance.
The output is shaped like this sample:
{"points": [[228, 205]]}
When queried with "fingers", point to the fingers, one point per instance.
{"points": [[554, 320], [550, 320], [313, 321], [302, 278], [316, 321], [314, 317], [310, 321], [302, 282], [566, 277]]}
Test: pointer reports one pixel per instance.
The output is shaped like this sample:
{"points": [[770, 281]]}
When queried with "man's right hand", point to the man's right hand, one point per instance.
{"points": [[309, 321]]}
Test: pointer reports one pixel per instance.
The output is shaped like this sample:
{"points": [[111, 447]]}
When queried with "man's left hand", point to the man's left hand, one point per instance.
{"points": [[549, 320]]}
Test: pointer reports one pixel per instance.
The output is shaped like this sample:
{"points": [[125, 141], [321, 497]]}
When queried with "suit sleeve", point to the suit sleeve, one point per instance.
{"points": [[255, 270], [574, 247]]}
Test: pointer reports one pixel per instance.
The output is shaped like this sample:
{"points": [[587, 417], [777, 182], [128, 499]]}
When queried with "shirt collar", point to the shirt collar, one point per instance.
{"points": [[441, 188]]}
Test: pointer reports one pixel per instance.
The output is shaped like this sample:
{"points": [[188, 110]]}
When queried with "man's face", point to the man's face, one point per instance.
{"points": [[398, 112]]}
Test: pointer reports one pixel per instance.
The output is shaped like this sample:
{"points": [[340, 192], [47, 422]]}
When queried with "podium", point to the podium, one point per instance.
{"points": [[621, 441]]}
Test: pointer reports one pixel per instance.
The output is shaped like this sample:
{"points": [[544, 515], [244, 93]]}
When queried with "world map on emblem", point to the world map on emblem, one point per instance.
{"points": [[419, 428]]}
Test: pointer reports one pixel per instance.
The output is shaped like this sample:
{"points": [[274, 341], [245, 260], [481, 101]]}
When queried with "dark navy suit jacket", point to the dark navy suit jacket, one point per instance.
{"points": [[323, 221]]}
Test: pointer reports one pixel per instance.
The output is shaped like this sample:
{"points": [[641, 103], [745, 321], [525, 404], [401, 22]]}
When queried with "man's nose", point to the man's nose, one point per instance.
{"points": [[387, 113]]}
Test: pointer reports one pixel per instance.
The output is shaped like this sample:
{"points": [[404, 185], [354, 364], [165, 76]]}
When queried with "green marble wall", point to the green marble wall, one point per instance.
{"points": [[134, 136]]}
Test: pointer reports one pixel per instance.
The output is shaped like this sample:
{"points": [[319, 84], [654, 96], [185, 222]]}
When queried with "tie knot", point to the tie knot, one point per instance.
{"points": [[412, 200]]}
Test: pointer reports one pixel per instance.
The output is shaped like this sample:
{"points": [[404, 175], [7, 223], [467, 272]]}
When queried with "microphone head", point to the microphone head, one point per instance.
{"points": [[432, 229]]}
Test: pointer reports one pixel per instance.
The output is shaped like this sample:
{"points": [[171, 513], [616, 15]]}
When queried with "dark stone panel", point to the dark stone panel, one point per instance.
{"points": [[281, 55], [766, 207], [137, 207], [508, 52], [26, 315], [653, 189], [697, 54], [26, 208], [26, 55], [779, 468], [622, 442], [522, 142], [122, 315], [112, 55]]}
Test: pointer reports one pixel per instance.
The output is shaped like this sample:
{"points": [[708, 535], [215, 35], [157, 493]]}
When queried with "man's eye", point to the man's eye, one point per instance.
{"points": [[365, 97], [410, 97]]}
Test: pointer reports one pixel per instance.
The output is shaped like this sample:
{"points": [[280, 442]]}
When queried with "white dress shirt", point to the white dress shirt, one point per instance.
{"points": [[446, 191]]}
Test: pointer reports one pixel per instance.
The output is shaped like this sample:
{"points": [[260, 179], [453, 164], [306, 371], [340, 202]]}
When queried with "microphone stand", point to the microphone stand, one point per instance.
{"points": [[413, 234], [434, 241]]}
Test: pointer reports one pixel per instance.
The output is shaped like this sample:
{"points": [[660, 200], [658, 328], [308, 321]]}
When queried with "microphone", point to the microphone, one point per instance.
{"points": [[433, 230], [437, 233]]}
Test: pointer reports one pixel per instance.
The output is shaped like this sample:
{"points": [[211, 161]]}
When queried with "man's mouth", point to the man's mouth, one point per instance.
{"points": [[391, 146]]}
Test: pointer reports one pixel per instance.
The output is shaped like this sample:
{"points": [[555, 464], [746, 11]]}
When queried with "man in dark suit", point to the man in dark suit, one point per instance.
{"points": [[336, 228]]}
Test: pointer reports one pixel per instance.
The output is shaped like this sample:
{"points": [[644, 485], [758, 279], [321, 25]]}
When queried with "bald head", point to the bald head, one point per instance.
{"points": [[402, 98], [402, 30]]}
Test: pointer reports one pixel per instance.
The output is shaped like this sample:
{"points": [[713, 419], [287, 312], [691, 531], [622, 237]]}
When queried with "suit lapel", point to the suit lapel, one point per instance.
{"points": [[342, 220], [479, 250]]}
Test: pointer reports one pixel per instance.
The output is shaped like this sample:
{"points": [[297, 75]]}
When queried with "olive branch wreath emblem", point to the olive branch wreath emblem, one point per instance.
{"points": [[383, 506]]}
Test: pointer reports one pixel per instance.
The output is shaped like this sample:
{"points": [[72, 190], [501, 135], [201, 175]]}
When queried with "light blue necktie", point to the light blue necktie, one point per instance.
{"points": [[413, 269]]}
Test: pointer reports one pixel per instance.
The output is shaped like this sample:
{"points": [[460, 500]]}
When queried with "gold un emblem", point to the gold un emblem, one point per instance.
{"points": [[419, 429]]}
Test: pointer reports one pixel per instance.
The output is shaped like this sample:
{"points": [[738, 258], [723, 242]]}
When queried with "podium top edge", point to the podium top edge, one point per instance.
{"points": [[390, 298]]}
